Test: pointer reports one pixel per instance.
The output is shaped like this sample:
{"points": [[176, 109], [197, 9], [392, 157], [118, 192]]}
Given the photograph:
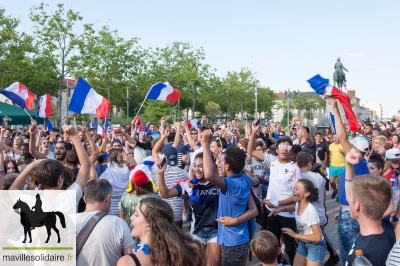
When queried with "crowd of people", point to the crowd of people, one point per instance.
{"points": [[137, 185]]}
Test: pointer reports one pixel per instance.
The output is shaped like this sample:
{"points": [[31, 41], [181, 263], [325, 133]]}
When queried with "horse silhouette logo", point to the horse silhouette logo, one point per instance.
{"points": [[35, 217]]}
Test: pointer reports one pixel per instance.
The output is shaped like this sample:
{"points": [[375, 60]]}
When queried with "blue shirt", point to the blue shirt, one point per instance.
{"points": [[359, 169], [233, 203]]}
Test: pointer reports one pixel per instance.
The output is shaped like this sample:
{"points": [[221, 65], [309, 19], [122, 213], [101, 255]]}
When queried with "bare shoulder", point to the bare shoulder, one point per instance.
{"points": [[126, 261]]}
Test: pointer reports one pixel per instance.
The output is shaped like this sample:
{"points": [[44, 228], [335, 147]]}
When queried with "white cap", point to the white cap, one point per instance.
{"points": [[392, 154], [360, 143]]}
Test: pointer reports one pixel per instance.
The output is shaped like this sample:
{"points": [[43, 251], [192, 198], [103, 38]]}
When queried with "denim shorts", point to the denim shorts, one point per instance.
{"points": [[206, 235], [336, 171], [314, 252]]}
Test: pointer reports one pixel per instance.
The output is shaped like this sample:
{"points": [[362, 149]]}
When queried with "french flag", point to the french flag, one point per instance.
{"points": [[99, 129], [194, 123], [323, 88], [86, 100], [45, 108], [164, 92], [19, 94]]}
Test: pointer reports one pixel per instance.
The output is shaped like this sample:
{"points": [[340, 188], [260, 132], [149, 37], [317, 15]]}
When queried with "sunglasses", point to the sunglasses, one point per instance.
{"points": [[281, 135], [193, 133], [285, 147]]}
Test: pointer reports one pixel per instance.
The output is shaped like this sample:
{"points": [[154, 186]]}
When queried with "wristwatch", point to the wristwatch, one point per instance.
{"points": [[394, 218]]}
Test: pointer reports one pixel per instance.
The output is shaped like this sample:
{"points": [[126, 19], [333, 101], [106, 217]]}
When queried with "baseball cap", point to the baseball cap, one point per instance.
{"points": [[171, 154], [360, 144], [392, 154]]}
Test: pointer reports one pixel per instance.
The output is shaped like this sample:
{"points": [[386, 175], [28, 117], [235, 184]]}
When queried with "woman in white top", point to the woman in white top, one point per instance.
{"points": [[312, 245], [117, 173]]}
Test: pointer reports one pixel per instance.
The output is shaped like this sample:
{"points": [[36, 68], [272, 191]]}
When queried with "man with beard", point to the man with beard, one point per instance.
{"points": [[60, 149]]}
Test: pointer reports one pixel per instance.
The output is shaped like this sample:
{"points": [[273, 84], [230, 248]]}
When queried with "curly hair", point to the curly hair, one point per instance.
{"points": [[236, 158], [309, 187], [169, 244]]}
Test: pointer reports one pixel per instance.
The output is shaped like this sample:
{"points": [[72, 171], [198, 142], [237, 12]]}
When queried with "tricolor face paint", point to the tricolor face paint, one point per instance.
{"points": [[221, 166], [198, 168]]}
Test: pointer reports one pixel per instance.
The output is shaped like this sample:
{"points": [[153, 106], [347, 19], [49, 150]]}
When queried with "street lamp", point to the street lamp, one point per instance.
{"points": [[288, 105]]}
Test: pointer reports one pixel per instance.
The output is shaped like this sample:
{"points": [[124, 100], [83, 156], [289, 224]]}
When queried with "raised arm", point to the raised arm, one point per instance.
{"points": [[157, 148], [93, 146], [340, 128], [164, 191], [191, 141], [32, 144], [304, 133], [252, 140], [83, 173], [208, 164], [177, 138]]}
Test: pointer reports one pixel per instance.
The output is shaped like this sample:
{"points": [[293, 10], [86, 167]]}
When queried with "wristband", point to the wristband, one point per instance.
{"points": [[348, 180], [274, 202]]}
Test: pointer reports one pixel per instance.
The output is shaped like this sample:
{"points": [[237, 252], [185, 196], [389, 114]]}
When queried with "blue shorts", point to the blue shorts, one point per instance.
{"points": [[336, 171], [312, 251], [206, 235]]}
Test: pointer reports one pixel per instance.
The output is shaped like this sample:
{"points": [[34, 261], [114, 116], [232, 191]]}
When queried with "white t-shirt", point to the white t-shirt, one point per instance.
{"points": [[257, 169], [105, 244], [307, 219], [282, 179], [51, 155], [79, 193], [319, 182], [118, 177]]}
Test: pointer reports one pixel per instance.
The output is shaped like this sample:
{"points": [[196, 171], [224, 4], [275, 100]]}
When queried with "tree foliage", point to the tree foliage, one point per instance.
{"points": [[62, 46]]}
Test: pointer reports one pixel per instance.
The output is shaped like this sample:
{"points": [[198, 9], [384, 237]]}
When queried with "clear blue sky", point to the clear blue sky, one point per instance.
{"points": [[285, 42]]}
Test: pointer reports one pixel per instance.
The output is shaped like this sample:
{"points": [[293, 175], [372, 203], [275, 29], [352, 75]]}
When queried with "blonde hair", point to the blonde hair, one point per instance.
{"points": [[265, 247], [374, 194], [381, 138]]}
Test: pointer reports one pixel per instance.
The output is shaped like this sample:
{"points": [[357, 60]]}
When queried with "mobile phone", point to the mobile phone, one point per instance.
{"points": [[258, 122], [163, 161]]}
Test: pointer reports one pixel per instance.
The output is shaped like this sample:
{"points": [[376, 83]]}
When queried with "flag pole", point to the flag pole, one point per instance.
{"points": [[140, 108], [28, 113]]}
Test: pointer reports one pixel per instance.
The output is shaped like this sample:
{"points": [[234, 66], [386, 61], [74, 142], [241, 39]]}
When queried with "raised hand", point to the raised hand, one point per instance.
{"points": [[353, 156], [184, 122], [255, 127], [332, 102], [206, 137], [70, 130]]}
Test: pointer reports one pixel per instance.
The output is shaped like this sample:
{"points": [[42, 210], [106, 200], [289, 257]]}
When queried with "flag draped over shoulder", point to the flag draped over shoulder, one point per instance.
{"points": [[322, 87], [164, 92], [86, 100], [19, 94]]}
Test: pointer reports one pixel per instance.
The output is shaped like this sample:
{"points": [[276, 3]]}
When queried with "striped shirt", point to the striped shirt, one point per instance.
{"points": [[171, 175], [394, 256]]}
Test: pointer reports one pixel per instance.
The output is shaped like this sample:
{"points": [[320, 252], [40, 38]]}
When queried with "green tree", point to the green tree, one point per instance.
{"points": [[212, 110], [107, 61], [56, 39]]}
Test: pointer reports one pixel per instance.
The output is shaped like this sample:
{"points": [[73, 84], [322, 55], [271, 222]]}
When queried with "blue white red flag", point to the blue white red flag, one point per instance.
{"points": [[19, 94], [45, 108], [323, 88], [99, 129], [86, 100], [164, 92]]}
